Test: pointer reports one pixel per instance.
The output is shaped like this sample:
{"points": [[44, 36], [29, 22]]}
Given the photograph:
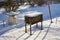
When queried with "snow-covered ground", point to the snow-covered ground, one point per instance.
{"points": [[51, 31]]}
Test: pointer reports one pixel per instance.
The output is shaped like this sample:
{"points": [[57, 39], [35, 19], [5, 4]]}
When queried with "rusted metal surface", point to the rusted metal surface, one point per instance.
{"points": [[32, 20]]}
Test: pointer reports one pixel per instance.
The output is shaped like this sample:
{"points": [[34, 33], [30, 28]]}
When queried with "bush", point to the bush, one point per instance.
{"points": [[32, 4], [41, 2]]}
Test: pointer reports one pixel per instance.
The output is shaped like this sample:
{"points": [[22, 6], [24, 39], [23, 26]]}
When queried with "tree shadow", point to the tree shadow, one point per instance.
{"points": [[27, 37], [7, 28], [20, 36], [37, 35], [4, 29], [1, 26], [46, 32], [34, 29]]}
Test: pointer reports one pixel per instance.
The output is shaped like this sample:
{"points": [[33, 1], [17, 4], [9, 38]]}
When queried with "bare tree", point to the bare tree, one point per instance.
{"points": [[40, 2]]}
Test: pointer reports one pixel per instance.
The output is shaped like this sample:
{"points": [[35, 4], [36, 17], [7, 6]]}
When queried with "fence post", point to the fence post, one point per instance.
{"points": [[3, 24]]}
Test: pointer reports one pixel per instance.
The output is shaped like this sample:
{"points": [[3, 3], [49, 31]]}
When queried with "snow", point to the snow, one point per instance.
{"points": [[12, 13], [33, 14], [51, 31]]}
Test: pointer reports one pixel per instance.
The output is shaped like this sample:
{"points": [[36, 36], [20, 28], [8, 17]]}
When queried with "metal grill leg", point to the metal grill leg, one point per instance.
{"points": [[30, 30], [41, 26], [25, 28]]}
